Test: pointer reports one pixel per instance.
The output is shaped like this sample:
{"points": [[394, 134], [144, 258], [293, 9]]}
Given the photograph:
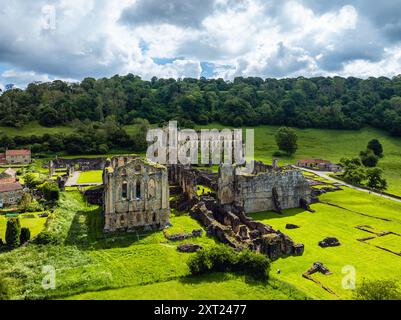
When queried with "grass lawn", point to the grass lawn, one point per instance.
{"points": [[87, 260], [329, 221], [228, 286], [90, 177], [34, 128], [28, 220]]}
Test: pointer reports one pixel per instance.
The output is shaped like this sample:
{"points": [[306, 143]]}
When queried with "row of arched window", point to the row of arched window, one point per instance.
{"points": [[136, 190]]}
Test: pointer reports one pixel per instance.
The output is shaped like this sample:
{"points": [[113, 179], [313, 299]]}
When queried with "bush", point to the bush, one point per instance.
{"points": [[25, 235], [378, 290], [45, 237], [13, 232], [50, 191], [225, 259]]}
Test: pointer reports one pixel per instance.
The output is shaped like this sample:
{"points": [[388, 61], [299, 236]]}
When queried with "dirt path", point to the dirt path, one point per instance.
{"points": [[72, 181], [324, 175]]}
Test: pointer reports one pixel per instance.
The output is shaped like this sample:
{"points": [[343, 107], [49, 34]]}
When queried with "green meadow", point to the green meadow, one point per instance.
{"points": [[90, 177], [93, 265], [352, 209], [34, 128]]}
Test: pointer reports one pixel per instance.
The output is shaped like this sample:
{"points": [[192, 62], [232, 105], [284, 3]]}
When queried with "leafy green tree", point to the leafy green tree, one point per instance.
{"points": [[50, 191], [13, 232], [378, 290], [369, 159], [286, 139], [376, 147], [30, 180], [375, 179], [353, 170]]}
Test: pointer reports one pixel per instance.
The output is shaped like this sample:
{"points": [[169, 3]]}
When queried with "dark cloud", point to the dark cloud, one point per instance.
{"points": [[183, 13]]}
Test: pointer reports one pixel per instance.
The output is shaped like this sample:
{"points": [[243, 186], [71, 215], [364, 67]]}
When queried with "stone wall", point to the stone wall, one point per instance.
{"points": [[80, 164], [267, 189]]}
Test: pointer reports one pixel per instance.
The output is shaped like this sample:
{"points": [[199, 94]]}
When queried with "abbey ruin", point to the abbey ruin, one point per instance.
{"points": [[135, 194]]}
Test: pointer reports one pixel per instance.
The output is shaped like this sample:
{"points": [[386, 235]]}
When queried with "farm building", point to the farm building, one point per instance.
{"points": [[319, 164], [16, 157]]}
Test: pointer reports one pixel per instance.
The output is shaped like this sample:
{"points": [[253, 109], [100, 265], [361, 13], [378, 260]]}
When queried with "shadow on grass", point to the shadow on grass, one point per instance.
{"points": [[86, 231], [219, 277]]}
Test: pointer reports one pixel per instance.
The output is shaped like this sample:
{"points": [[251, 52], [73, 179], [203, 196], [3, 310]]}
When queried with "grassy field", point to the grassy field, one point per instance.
{"points": [[34, 128], [90, 177], [355, 209], [121, 266], [228, 287], [28, 220]]}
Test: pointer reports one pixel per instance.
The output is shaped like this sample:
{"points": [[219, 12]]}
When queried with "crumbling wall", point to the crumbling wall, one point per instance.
{"points": [[265, 189], [233, 227]]}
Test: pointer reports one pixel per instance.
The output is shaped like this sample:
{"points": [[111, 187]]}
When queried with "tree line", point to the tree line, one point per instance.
{"points": [[320, 102]]}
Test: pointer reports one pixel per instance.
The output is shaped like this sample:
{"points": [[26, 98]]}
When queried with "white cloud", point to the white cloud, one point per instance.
{"points": [[242, 37]]}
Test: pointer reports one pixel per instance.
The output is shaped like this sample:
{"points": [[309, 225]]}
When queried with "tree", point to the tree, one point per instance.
{"points": [[375, 179], [376, 147], [13, 232], [30, 180], [286, 139], [378, 290], [353, 170], [50, 191], [369, 159], [25, 235]]}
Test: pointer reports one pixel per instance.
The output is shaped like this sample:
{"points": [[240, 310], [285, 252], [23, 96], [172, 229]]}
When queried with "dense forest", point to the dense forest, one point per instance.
{"points": [[335, 103]]}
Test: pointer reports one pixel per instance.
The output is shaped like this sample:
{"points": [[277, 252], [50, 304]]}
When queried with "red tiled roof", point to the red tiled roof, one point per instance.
{"points": [[7, 180], [2, 156], [313, 161], [18, 152], [10, 187]]}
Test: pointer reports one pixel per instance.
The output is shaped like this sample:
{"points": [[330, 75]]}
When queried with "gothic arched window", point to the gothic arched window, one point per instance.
{"points": [[138, 190], [124, 190]]}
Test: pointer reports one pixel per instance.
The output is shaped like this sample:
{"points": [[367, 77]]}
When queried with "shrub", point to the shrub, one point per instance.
{"points": [[225, 259], [13, 232], [378, 290], [45, 237], [25, 235], [50, 191]]}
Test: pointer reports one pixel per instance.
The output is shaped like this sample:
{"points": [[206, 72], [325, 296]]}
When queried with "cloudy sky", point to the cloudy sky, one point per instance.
{"points": [[43, 40]]}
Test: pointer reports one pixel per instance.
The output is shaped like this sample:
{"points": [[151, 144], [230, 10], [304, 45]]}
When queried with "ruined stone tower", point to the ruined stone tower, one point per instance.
{"points": [[136, 194]]}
